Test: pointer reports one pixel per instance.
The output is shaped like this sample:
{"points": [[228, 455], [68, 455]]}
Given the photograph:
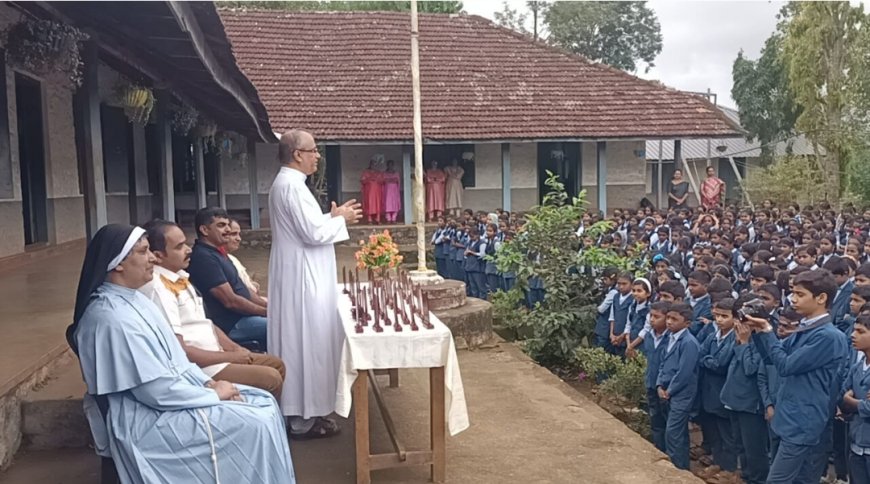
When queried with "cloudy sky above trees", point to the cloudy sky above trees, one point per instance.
{"points": [[700, 39]]}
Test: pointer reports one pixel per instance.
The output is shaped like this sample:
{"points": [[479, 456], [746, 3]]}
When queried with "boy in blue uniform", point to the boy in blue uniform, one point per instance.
{"points": [[715, 358], [856, 403], [809, 363], [653, 347], [702, 314], [741, 395], [839, 268], [460, 240], [440, 247], [475, 265], [677, 382]]}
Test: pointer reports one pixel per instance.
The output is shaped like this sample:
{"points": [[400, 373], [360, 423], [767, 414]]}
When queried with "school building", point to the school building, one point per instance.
{"points": [[508, 108]]}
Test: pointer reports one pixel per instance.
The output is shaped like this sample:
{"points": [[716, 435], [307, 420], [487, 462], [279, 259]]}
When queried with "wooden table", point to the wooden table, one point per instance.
{"points": [[435, 456]]}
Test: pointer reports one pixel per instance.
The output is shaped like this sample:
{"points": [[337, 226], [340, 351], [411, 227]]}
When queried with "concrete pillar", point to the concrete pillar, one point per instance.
{"points": [[137, 174], [93, 182], [407, 206], [678, 154], [199, 162], [253, 184], [601, 170], [164, 152], [506, 176], [219, 181]]}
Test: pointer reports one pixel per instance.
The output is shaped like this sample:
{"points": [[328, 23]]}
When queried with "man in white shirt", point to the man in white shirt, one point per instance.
{"points": [[204, 343]]}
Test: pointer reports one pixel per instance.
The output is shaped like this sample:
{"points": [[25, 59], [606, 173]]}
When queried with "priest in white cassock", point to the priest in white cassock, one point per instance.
{"points": [[304, 325]]}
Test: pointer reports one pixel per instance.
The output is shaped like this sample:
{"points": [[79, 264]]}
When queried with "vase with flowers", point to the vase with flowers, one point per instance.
{"points": [[379, 254]]}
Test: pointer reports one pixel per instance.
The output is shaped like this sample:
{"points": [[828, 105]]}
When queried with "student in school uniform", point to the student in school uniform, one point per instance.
{"points": [[652, 347], [460, 239], [672, 292], [769, 380], [770, 296], [638, 313], [702, 314], [602, 319], [839, 268], [490, 271], [440, 247], [619, 314], [715, 358], [475, 265], [741, 395], [677, 382], [809, 363], [509, 278], [449, 250], [856, 404]]}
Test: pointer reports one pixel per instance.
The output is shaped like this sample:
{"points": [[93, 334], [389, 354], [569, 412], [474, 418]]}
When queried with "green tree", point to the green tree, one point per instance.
{"points": [[767, 108], [512, 18], [824, 54], [340, 6], [620, 34]]}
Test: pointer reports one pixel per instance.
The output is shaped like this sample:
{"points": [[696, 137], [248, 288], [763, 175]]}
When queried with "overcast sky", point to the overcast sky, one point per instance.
{"points": [[700, 39]]}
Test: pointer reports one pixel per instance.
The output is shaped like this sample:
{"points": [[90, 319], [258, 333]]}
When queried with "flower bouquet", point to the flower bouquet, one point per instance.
{"points": [[379, 253]]}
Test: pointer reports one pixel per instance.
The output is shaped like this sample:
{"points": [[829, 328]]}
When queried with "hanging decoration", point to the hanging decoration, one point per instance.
{"points": [[42, 46], [232, 145], [205, 132], [184, 118], [138, 102]]}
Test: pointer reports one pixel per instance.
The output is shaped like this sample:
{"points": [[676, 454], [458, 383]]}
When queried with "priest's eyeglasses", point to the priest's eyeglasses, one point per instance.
{"points": [[312, 150]]}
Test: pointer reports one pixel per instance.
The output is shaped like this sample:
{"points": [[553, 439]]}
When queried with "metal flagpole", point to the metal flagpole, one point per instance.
{"points": [[418, 141]]}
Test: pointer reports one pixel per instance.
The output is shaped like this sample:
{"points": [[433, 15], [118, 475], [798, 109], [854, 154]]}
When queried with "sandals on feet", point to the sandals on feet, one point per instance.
{"points": [[322, 428]]}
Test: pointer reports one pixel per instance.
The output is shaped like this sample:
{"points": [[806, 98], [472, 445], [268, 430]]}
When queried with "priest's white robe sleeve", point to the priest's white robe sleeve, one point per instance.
{"points": [[314, 227]]}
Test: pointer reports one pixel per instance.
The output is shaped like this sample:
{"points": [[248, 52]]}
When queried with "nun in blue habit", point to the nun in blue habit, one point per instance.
{"points": [[159, 417]]}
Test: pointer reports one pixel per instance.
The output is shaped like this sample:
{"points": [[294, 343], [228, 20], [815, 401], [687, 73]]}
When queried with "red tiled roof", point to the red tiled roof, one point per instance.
{"points": [[347, 77]]}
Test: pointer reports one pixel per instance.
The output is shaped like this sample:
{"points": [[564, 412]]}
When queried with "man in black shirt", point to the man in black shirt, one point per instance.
{"points": [[228, 302]]}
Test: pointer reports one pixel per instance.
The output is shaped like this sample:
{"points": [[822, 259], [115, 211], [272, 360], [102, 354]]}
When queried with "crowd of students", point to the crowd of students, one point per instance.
{"points": [[461, 246], [745, 318]]}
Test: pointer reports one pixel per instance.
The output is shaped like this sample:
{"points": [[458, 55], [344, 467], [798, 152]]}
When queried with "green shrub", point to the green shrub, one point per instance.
{"points": [[546, 248]]}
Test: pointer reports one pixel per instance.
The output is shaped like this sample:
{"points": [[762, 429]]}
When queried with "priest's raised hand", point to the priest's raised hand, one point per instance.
{"points": [[350, 210]]}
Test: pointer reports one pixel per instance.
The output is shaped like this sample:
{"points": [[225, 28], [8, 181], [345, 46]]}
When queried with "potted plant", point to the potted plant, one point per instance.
{"points": [[184, 118], [42, 46], [138, 102]]}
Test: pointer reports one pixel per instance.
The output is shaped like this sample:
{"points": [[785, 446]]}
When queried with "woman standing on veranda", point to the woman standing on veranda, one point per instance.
{"points": [[454, 188], [434, 179], [712, 190], [678, 190], [372, 195], [392, 196]]}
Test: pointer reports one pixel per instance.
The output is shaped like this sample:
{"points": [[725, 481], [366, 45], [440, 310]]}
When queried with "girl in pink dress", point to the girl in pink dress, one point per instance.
{"points": [[372, 197], [435, 179], [392, 197]]}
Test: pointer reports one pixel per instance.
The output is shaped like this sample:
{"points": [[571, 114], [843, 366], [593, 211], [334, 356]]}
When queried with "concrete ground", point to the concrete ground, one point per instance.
{"points": [[526, 426]]}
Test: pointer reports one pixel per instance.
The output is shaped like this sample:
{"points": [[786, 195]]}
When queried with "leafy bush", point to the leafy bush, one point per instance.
{"points": [[623, 386], [546, 247]]}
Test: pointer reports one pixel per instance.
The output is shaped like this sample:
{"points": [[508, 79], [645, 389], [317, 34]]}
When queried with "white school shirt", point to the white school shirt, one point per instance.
{"points": [[185, 314]]}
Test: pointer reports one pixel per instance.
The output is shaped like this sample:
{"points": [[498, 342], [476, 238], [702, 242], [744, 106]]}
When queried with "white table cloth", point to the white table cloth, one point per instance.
{"points": [[424, 348]]}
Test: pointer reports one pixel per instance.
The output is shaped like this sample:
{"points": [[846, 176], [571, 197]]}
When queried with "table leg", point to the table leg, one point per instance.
{"points": [[361, 427], [394, 378], [437, 424]]}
